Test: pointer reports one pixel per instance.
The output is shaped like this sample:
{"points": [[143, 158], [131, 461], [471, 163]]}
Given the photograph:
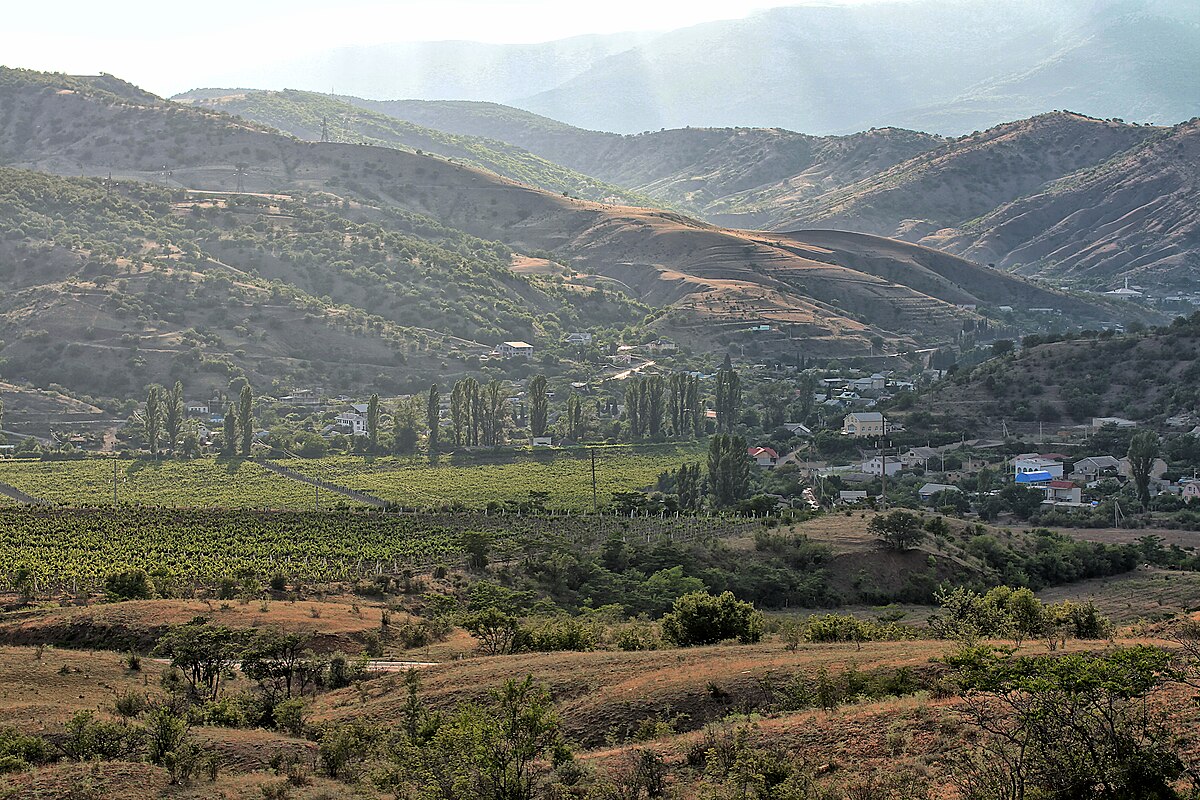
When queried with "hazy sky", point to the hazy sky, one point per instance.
{"points": [[168, 47]]}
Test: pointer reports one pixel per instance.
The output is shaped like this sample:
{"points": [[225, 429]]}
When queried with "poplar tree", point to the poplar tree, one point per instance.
{"points": [[246, 418], [153, 419], [539, 406]]}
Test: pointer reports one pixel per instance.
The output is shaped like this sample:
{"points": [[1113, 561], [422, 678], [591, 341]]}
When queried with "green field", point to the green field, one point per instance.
{"points": [[202, 482], [566, 477], [66, 549]]}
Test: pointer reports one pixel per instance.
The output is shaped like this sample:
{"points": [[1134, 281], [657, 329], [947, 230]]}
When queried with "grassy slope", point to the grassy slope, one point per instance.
{"points": [[306, 114]]}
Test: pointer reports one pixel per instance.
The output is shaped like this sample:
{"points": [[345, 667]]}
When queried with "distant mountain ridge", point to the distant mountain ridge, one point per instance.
{"points": [[931, 65]]}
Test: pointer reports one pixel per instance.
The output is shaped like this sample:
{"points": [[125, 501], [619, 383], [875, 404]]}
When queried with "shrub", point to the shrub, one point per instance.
{"points": [[133, 584], [700, 618]]}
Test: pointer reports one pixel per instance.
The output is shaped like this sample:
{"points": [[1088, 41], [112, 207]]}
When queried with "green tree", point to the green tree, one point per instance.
{"points": [[373, 423], [700, 618], [405, 433], [1143, 450], [495, 408], [433, 406], [152, 421], [229, 432], [245, 418], [899, 530], [539, 406], [573, 419], [728, 396], [202, 652], [498, 633], [728, 469], [173, 415]]}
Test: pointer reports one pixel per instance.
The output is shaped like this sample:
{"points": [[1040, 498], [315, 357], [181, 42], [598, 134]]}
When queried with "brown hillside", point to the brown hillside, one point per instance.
{"points": [[968, 177], [1135, 215]]}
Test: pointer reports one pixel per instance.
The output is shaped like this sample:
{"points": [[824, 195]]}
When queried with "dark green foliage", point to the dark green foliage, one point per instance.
{"points": [[700, 618], [728, 469], [728, 396], [899, 530], [133, 584], [1068, 726]]}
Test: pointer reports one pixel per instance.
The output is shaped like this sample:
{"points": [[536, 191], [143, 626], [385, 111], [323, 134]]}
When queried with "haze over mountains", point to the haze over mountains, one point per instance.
{"points": [[932, 65]]}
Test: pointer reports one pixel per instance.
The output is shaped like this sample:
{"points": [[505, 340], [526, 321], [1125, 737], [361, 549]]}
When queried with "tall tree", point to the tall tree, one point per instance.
{"points": [[728, 396], [229, 432], [728, 469], [1143, 449], [677, 403], [173, 415], [695, 406], [405, 427], [246, 418], [539, 406], [460, 412], [653, 388], [494, 402], [373, 423], [633, 406], [574, 418], [688, 486], [433, 406], [152, 422]]}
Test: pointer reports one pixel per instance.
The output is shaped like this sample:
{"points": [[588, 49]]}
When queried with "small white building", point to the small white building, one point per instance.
{"points": [[578, 337], [353, 421], [797, 429], [864, 423], [196, 409], [850, 497], [516, 349], [662, 346], [1118, 422], [879, 466]]}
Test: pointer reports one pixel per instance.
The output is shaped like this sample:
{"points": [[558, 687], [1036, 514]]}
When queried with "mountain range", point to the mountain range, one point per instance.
{"points": [[395, 253], [947, 66], [1059, 195]]}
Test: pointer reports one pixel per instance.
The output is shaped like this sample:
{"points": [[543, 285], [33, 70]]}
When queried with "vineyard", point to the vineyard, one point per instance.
{"points": [[65, 550], [565, 478], [203, 483]]}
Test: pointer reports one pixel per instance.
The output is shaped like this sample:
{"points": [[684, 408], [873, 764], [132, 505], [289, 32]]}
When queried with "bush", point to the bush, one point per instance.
{"points": [[133, 584], [700, 618]]}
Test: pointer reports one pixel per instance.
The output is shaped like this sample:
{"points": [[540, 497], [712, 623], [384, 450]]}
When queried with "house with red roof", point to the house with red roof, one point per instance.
{"points": [[763, 456]]}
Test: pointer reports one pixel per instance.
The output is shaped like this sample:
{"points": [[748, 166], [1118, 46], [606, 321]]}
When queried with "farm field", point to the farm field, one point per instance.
{"points": [[74, 549], [566, 477], [200, 483]]}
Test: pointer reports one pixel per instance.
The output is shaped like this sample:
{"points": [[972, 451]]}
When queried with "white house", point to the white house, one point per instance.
{"points": [[542, 441], [1190, 491], [763, 456], [514, 350], [1063, 492], [356, 423], [196, 409], [864, 423], [1092, 467], [1033, 464], [851, 497], [578, 337], [878, 466]]}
